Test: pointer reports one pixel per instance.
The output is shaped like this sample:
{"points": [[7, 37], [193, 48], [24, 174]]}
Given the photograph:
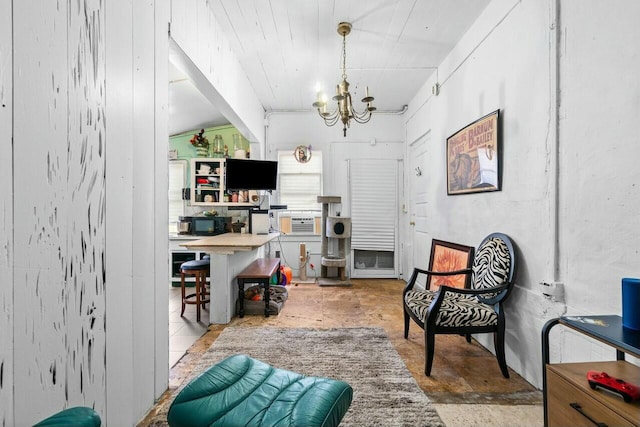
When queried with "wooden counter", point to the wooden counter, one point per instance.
{"points": [[230, 254], [229, 243]]}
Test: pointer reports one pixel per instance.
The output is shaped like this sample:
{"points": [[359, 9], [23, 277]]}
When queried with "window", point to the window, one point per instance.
{"points": [[177, 173], [300, 184]]}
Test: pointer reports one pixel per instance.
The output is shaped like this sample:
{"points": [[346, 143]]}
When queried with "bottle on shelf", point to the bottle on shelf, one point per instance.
{"points": [[220, 147], [239, 147]]}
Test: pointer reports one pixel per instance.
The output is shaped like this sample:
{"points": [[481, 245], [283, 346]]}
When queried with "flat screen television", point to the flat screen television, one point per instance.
{"points": [[246, 174]]}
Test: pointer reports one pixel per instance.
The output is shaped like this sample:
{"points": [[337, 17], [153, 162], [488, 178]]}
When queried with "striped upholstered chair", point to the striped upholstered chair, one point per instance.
{"points": [[477, 309]]}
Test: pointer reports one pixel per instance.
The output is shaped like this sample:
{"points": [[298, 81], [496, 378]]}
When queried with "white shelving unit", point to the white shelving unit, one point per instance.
{"points": [[207, 182]]}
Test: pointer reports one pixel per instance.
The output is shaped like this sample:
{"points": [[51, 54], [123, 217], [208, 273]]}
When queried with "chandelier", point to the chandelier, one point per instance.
{"points": [[344, 110]]}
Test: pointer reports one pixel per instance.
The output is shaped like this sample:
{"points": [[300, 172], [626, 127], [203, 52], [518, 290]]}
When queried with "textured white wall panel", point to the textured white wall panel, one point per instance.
{"points": [[143, 229], [6, 216], [59, 303], [119, 262], [137, 179], [75, 216], [161, 215], [86, 171]]}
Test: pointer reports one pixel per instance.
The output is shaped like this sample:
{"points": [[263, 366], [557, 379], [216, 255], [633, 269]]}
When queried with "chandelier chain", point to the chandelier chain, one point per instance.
{"points": [[344, 56]]}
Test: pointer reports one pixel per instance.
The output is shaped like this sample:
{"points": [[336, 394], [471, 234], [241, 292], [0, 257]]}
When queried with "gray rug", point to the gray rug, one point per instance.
{"points": [[385, 393]]}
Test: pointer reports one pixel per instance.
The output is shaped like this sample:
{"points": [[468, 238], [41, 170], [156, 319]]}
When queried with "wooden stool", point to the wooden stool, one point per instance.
{"points": [[200, 270]]}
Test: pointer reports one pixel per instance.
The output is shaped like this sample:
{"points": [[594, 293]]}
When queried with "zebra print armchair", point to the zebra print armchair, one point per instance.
{"points": [[477, 309]]}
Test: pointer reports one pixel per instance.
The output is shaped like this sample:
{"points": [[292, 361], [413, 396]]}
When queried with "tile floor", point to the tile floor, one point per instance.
{"points": [[466, 386], [183, 331]]}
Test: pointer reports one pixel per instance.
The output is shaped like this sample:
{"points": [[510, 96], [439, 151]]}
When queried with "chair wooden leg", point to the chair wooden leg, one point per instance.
{"points": [[203, 289], [468, 338], [206, 294], [407, 321], [498, 340], [429, 344], [182, 290]]}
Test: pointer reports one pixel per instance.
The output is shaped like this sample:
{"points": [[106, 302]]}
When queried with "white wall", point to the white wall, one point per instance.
{"points": [[218, 74], [381, 138], [59, 234], [508, 60], [6, 215], [599, 152], [137, 342], [83, 195]]}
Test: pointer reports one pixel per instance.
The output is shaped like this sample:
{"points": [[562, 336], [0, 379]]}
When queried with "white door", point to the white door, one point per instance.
{"points": [[417, 182]]}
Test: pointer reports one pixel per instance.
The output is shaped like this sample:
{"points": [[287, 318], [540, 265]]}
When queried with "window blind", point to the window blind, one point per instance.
{"points": [[373, 195], [299, 184]]}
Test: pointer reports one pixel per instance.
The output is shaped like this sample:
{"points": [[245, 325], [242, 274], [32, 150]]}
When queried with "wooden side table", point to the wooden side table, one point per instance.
{"points": [[570, 378]]}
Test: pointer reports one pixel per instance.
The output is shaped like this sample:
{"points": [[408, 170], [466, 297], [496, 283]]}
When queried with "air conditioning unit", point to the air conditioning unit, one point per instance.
{"points": [[300, 223]]}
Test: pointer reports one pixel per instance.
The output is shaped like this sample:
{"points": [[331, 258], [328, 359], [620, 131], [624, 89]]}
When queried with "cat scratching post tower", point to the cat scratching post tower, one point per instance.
{"points": [[333, 227]]}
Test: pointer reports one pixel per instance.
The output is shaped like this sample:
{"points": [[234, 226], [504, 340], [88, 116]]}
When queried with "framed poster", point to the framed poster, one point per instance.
{"points": [[473, 157], [447, 256]]}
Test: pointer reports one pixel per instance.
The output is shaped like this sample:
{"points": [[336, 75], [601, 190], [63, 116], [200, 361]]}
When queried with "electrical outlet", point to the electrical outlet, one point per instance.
{"points": [[552, 290]]}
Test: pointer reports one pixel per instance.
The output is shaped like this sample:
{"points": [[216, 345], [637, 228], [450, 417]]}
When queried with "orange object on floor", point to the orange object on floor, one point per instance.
{"points": [[287, 272]]}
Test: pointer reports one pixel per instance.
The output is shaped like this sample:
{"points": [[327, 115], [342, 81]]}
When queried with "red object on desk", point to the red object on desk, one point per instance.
{"points": [[628, 391]]}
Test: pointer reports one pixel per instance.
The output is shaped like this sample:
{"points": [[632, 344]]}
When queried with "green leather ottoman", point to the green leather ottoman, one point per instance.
{"points": [[241, 391], [78, 416]]}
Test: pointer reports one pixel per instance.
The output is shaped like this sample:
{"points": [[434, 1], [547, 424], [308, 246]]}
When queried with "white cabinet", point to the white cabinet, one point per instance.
{"points": [[207, 180]]}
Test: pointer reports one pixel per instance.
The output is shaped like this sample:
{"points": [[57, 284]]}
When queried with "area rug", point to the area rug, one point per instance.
{"points": [[385, 393]]}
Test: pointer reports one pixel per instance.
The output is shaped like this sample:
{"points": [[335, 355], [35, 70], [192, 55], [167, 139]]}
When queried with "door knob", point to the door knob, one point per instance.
{"points": [[412, 223]]}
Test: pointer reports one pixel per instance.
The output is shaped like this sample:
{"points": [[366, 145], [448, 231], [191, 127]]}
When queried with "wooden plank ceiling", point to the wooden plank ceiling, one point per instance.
{"points": [[286, 47]]}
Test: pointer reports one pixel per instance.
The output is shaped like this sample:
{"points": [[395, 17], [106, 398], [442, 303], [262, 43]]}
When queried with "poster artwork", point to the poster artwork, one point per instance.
{"points": [[473, 157]]}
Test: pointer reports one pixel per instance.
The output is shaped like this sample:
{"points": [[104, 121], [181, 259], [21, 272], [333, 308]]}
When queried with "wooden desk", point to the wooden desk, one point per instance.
{"points": [[230, 254], [565, 384], [230, 243]]}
